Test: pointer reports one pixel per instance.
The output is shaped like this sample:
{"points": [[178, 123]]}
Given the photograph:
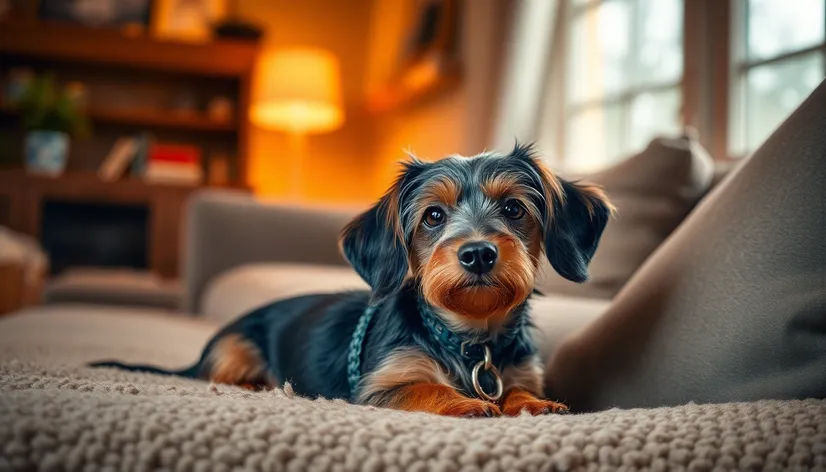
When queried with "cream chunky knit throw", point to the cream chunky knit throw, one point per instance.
{"points": [[58, 416]]}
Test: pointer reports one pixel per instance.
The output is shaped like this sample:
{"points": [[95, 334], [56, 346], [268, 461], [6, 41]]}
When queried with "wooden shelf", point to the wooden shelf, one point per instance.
{"points": [[161, 119], [66, 42], [87, 185], [150, 118]]}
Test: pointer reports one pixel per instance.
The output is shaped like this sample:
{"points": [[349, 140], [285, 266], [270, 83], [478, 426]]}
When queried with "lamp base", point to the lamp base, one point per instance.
{"points": [[297, 145]]}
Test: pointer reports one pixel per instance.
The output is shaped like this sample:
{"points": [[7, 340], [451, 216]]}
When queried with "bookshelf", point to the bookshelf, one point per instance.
{"points": [[135, 84], [149, 118]]}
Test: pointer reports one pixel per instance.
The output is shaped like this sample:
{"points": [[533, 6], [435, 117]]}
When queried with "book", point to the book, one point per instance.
{"points": [[173, 173], [119, 158], [175, 153], [145, 143], [167, 163]]}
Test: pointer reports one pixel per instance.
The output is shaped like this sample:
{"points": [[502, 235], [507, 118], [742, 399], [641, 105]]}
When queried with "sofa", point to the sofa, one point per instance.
{"points": [[700, 342], [241, 253]]}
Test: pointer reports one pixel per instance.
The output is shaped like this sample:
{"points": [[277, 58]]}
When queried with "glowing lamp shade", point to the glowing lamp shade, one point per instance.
{"points": [[298, 91]]}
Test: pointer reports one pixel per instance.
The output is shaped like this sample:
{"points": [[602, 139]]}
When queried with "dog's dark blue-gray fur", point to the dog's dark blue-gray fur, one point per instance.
{"points": [[305, 340]]}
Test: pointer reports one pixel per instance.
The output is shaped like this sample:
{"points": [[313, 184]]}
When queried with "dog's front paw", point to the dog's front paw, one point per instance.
{"points": [[518, 400], [535, 407], [471, 409]]}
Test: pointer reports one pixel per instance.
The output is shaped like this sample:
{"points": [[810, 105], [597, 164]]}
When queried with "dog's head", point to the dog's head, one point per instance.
{"points": [[471, 231]]}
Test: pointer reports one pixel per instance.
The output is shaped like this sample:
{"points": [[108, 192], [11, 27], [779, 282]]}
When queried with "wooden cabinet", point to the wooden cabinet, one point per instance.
{"points": [[25, 196]]}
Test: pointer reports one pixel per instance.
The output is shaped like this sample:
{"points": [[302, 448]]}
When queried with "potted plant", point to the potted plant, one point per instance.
{"points": [[50, 116]]}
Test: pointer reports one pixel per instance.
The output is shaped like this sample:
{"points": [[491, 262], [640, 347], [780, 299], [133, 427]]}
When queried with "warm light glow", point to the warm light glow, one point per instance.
{"points": [[421, 75], [299, 91]]}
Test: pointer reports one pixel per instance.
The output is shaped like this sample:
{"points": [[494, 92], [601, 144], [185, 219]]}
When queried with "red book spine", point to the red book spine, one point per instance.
{"points": [[175, 154]]}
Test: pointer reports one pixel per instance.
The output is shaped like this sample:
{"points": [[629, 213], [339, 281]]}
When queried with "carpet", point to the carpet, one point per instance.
{"points": [[57, 415], [69, 418]]}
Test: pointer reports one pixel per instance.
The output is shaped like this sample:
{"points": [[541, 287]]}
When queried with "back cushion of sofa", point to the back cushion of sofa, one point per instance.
{"points": [[653, 192]]}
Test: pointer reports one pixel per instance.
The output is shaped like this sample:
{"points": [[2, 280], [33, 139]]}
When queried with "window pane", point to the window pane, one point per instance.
{"points": [[616, 51], [599, 51], [773, 91], [779, 26], [652, 114], [660, 54], [595, 138]]}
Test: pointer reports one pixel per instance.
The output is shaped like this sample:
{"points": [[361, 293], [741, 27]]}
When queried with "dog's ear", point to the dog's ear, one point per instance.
{"points": [[574, 216], [374, 242], [574, 228]]}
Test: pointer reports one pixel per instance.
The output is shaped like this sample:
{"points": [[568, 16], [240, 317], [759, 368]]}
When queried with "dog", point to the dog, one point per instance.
{"points": [[451, 253]]}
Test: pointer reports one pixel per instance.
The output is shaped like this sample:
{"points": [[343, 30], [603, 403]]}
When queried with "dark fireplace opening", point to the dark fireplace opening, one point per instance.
{"points": [[88, 234]]}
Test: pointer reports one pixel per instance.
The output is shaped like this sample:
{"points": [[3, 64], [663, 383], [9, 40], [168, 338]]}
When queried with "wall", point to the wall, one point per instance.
{"points": [[458, 121], [356, 163], [337, 165]]}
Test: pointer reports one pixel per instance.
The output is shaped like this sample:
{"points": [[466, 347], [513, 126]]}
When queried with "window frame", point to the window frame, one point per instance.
{"points": [[740, 65], [712, 63], [626, 96]]}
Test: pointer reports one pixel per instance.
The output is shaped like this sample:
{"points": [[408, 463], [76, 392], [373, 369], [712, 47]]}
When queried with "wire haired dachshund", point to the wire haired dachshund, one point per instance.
{"points": [[451, 253]]}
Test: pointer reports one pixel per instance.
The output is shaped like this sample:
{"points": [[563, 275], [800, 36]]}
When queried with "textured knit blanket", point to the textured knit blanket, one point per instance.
{"points": [[58, 416]]}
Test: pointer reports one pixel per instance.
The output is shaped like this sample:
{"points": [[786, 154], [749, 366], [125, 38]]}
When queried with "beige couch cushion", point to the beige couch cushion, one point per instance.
{"points": [[77, 333], [125, 287], [557, 316], [653, 192], [733, 306], [246, 287]]}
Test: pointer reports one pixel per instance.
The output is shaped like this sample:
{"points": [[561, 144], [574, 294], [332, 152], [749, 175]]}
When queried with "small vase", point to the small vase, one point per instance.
{"points": [[46, 152]]}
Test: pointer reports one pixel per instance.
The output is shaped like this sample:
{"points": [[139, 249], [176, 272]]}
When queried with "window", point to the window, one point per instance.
{"points": [[779, 54], [625, 71], [624, 63]]}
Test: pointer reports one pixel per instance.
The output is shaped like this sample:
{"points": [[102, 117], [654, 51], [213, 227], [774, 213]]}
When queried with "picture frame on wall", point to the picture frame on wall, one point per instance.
{"points": [[429, 61], [187, 20], [431, 30], [125, 14]]}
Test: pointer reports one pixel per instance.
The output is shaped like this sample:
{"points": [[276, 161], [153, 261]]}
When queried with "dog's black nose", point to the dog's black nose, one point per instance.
{"points": [[478, 257]]}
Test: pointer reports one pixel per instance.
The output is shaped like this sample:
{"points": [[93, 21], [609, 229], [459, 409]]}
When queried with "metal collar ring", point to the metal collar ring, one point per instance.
{"points": [[487, 364]]}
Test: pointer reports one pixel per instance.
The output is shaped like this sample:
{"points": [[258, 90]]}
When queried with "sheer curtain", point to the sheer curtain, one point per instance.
{"points": [[592, 81], [524, 80]]}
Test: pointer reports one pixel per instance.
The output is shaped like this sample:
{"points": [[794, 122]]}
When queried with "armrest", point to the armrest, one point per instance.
{"points": [[225, 229]]}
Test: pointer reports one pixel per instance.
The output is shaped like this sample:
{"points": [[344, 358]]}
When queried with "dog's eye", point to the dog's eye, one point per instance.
{"points": [[434, 216], [513, 210]]}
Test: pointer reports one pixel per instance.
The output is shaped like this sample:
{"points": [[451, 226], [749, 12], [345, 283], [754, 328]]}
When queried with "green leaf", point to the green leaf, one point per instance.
{"points": [[44, 107]]}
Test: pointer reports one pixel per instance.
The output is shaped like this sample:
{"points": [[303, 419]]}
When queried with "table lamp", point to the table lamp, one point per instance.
{"points": [[298, 93]]}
